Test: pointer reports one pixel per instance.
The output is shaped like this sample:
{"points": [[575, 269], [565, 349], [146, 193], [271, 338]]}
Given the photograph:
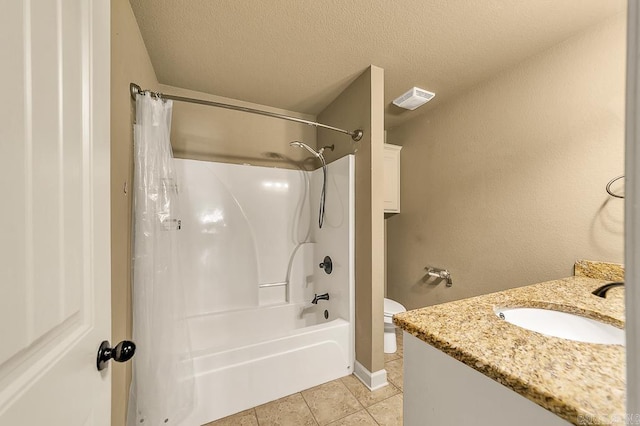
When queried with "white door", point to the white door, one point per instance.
{"points": [[54, 211]]}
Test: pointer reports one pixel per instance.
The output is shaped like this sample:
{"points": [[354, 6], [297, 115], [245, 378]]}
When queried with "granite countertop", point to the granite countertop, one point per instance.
{"points": [[581, 382]]}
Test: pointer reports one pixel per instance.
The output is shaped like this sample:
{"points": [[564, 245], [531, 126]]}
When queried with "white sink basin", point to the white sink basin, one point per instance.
{"points": [[563, 325]]}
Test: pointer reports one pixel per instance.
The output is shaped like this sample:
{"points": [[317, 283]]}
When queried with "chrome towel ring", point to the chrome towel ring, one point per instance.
{"points": [[609, 187]]}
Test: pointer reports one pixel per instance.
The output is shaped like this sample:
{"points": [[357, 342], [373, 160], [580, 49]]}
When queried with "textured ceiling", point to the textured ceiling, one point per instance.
{"points": [[300, 54]]}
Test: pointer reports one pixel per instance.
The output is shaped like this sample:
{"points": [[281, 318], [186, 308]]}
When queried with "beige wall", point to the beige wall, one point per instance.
{"points": [[361, 106], [504, 186], [129, 63], [216, 134]]}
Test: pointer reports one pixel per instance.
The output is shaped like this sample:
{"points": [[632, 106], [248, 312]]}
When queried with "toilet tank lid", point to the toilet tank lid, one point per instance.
{"points": [[392, 307]]}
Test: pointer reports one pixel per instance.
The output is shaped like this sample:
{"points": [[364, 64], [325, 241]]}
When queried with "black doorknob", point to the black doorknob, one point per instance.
{"points": [[123, 351]]}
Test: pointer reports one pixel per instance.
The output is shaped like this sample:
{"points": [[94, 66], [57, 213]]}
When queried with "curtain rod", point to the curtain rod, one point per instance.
{"points": [[356, 135]]}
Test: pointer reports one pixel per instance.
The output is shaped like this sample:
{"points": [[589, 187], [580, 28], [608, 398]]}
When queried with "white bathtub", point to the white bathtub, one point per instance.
{"points": [[250, 253], [249, 357]]}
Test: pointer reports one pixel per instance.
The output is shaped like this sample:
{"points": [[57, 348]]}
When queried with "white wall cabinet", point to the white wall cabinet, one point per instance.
{"points": [[391, 178]]}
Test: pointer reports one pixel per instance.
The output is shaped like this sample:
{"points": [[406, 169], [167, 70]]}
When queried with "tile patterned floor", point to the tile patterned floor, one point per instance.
{"points": [[342, 402]]}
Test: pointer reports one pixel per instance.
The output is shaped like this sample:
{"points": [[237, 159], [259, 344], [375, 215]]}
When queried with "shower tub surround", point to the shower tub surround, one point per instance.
{"points": [[250, 248], [579, 382]]}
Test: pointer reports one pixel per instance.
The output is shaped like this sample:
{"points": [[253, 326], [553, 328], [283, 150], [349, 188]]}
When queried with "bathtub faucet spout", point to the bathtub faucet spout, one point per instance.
{"points": [[320, 297]]}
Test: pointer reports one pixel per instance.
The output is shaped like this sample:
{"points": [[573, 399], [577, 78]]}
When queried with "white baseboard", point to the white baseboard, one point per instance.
{"points": [[373, 381]]}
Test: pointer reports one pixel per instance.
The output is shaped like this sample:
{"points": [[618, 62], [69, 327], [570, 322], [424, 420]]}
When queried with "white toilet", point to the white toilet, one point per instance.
{"points": [[391, 307]]}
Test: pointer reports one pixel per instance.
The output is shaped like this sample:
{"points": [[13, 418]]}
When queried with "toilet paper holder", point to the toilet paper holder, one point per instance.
{"points": [[443, 274]]}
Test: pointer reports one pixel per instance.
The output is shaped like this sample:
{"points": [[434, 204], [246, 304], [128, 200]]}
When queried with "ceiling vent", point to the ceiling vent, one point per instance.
{"points": [[414, 98]]}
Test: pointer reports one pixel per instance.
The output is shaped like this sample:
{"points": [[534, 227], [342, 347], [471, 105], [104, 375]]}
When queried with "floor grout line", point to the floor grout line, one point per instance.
{"points": [[255, 413], [400, 392], [362, 407], [389, 397], [374, 419], [339, 380], [354, 395], [313, 416], [371, 415]]}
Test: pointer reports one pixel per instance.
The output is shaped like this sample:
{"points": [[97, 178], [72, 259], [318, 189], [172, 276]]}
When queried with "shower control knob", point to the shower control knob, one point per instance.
{"points": [[122, 352], [327, 265]]}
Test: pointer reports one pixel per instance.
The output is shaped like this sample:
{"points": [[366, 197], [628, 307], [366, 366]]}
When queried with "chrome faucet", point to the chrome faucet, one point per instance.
{"points": [[602, 290], [320, 297]]}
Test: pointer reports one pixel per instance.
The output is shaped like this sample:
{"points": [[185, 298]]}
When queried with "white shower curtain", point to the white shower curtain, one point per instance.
{"points": [[162, 391]]}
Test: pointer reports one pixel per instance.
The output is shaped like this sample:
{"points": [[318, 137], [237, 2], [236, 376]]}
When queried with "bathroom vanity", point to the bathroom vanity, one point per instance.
{"points": [[464, 364]]}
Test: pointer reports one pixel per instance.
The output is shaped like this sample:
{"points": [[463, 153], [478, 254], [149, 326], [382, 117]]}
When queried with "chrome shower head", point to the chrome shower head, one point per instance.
{"points": [[318, 154], [305, 146]]}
